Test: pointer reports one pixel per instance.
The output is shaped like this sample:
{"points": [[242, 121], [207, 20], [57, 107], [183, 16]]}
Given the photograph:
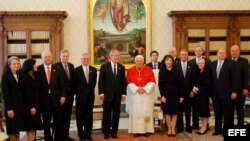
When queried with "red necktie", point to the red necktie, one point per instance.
{"points": [[154, 65]]}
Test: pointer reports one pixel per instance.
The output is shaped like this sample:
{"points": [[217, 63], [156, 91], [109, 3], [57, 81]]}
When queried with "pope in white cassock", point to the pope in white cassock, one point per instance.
{"points": [[140, 99]]}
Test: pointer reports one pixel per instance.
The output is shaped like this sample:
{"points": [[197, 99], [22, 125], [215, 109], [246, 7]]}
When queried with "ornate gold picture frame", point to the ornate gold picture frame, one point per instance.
{"points": [[124, 25]]}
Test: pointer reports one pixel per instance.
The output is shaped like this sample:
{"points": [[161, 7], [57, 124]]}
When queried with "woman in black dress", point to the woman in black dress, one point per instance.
{"points": [[13, 98], [201, 88], [31, 97], [170, 90]]}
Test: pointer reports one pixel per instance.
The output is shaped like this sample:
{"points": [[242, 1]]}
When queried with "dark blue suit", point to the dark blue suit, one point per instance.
{"points": [[113, 87]]}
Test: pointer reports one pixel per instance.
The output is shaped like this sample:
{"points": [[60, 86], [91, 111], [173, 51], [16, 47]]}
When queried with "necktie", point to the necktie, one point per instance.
{"points": [[66, 70], [115, 70], [154, 65], [48, 74], [218, 68], [184, 69], [87, 74]]}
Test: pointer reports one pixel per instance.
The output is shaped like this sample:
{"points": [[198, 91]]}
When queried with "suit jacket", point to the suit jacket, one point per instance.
{"points": [[186, 85], [68, 82], [85, 92], [13, 100], [12, 92], [109, 85], [56, 86], [203, 81], [227, 81], [176, 60], [193, 63], [151, 65], [31, 92], [194, 68], [243, 70]]}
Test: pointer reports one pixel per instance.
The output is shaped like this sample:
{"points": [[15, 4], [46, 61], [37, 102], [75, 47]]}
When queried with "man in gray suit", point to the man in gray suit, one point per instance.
{"points": [[225, 87]]}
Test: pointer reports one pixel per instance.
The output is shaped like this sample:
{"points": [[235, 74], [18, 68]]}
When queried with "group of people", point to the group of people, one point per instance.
{"points": [[37, 97], [185, 87]]}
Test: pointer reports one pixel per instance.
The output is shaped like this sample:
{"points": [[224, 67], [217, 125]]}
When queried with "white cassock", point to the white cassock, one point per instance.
{"points": [[140, 109], [156, 90]]}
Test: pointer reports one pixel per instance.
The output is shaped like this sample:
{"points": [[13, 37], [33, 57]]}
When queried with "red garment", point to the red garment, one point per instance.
{"points": [[140, 77]]}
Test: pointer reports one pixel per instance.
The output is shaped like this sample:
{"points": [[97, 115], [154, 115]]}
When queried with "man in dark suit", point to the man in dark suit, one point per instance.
{"points": [[185, 72], [154, 64], [112, 89], [243, 70], [225, 87], [85, 82], [66, 70], [198, 51], [172, 51], [53, 96]]}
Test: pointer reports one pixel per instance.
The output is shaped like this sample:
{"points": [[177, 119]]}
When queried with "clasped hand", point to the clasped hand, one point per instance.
{"points": [[140, 90]]}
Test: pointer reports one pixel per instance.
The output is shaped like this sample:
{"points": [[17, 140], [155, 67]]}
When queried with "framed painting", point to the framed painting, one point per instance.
{"points": [[124, 25]]}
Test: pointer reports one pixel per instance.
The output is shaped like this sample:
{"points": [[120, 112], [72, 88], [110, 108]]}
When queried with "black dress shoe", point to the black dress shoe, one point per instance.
{"points": [[173, 135], [194, 127], [88, 139], [199, 133], [216, 133], [106, 137], [146, 135], [68, 139], [114, 136], [179, 130], [189, 130], [136, 135]]}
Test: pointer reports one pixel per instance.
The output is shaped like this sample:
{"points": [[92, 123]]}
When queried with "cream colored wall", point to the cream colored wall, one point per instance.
{"points": [[75, 25]]}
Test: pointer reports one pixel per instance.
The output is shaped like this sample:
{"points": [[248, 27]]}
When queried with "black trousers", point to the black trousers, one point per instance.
{"points": [[49, 112], [238, 105], [66, 114], [185, 106], [111, 116], [195, 117], [84, 119], [222, 108]]}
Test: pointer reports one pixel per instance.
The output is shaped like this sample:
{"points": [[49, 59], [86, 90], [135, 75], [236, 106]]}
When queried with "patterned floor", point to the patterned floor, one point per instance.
{"points": [[157, 136]]}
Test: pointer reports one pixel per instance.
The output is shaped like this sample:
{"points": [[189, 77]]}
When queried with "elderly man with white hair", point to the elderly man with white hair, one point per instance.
{"points": [[140, 102]]}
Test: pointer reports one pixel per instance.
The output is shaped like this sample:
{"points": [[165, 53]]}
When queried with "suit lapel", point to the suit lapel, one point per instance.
{"points": [[223, 67], [43, 73], [111, 70], [90, 74], [180, 68], [188, 69], [83, 73], [118, 70], [71, 69], [52, 72]]}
